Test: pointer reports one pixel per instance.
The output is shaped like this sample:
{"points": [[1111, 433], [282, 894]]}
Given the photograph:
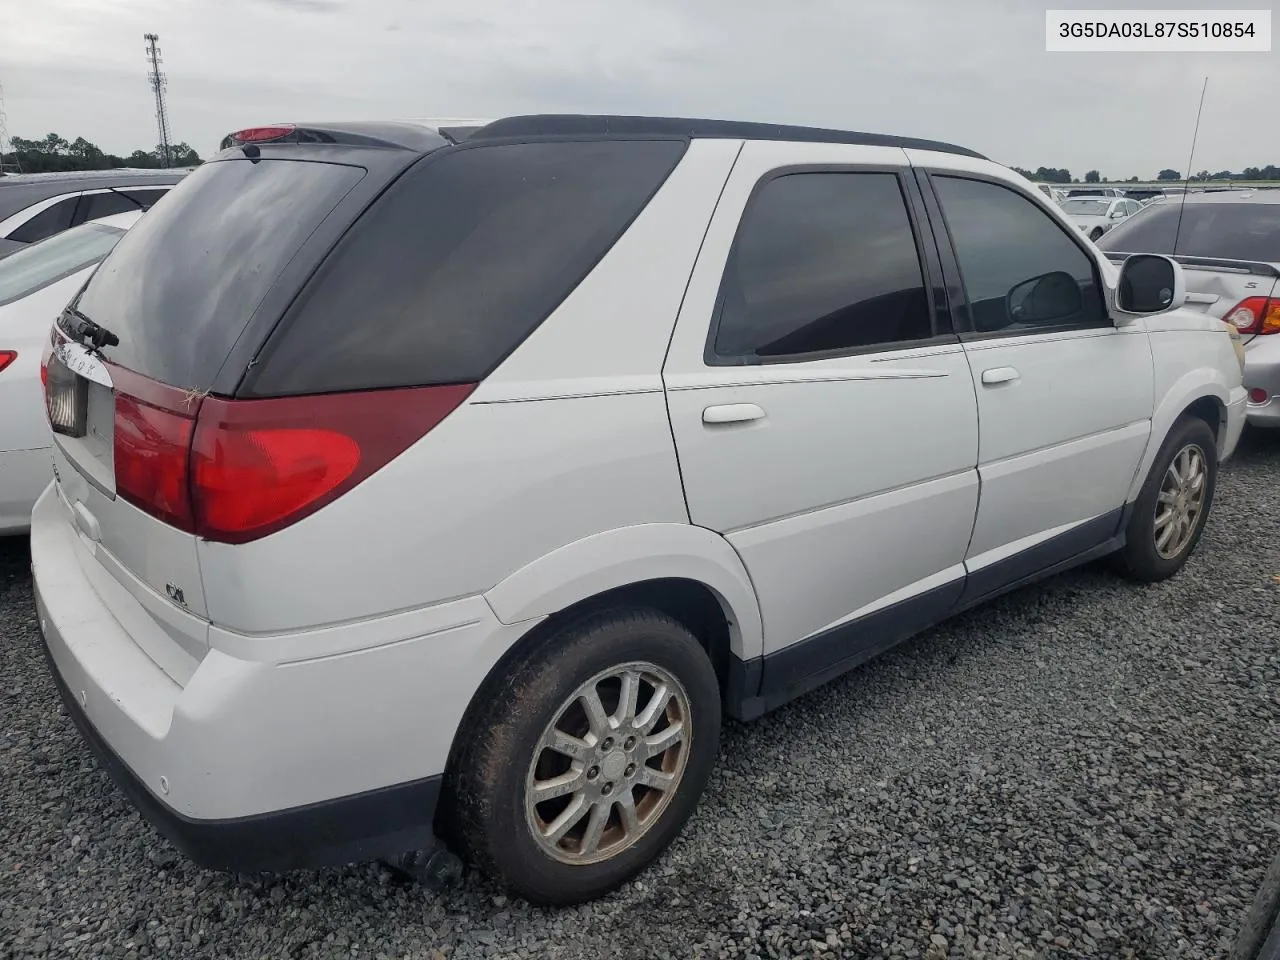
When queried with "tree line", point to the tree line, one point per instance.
{"points": [[54, 153], [1062, 175]]}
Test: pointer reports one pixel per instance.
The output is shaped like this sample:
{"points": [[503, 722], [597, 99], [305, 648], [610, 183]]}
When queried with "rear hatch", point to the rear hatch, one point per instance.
{"points": [[294, 316], [1229, 250], [136, 352]]}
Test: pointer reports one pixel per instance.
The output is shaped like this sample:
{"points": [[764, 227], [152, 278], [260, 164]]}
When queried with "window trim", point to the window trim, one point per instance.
{"points": [[955, 278], [45, 205], [931, 273]]}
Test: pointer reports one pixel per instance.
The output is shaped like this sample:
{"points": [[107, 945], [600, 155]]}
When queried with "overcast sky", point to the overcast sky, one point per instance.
{"points": [[972, 72]]}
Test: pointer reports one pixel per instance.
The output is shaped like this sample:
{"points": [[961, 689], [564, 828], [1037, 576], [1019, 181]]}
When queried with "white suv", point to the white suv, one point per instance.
{"points": [[412, 486]]}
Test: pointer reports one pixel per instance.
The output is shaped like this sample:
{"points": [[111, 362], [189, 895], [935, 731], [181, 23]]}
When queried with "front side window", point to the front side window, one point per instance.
{"points": [[1021, 271], [823, 262], [37, 266]]}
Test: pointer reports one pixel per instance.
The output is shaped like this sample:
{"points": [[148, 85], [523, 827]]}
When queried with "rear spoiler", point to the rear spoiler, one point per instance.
{"points": [[1255, 267]]}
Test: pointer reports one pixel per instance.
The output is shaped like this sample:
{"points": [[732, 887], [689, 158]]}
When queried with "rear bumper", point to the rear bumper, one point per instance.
{"points": [[367, 826], [275, 753], [1262, 371]]}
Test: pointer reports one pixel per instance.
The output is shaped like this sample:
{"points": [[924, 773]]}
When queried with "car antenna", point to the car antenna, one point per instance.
{"points": [[1186, 184]]}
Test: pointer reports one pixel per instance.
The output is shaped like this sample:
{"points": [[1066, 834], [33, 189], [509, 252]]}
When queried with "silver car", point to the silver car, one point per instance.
{"points": [[1229, 247]]}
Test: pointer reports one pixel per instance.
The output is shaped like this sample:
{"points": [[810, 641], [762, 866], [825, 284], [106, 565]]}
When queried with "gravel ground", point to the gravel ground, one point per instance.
{"points": [[1082, 769]]}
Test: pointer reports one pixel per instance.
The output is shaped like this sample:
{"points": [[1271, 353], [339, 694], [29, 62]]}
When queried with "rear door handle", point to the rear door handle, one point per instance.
{"points": [[999, 375], [732, 413]]}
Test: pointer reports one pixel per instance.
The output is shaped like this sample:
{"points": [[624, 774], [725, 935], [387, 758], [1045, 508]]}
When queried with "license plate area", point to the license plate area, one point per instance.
{"points": [[66, 396]]}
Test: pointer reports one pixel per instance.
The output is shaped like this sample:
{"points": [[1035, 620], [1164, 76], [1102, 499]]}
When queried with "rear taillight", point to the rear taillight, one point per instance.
{"points": [[152, 450], [1256, 315], [247, 468], [7, 357]]}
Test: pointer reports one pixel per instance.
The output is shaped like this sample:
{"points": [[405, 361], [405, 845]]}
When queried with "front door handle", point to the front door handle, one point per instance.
{"points": [[999, 375], [732, 413]]}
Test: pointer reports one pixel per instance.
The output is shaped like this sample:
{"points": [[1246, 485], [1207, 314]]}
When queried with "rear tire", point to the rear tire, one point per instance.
{"points": [[1170, 513], [624, 774]]}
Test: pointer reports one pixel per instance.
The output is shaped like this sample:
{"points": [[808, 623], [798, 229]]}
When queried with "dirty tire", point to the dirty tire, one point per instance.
{"points": [[1139, 560], [484, 812], [1259, 935]]}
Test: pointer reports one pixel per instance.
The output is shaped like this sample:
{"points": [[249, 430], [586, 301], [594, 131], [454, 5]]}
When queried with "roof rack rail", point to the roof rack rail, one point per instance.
{"points": [[605, 125]]}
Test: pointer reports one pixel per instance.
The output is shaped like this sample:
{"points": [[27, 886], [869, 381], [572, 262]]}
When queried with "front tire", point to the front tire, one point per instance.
{"points": [[1096, 234], [589, 756], [1170, 512]]}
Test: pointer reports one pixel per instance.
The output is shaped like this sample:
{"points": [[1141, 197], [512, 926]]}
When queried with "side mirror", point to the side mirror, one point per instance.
{"points": [[1150, 283], [1117, 214], [1050, 298]]}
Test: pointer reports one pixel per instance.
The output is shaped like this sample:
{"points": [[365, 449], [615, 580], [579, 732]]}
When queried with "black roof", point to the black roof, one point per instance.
{"points": [[21, 190], [552, 125]]}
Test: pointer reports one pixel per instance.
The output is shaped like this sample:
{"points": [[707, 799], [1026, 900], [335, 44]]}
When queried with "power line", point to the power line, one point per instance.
{"points": [[158, 83]]}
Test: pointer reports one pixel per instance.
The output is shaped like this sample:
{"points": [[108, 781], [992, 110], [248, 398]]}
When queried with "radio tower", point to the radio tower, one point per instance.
{"points": [[4, 140], [158, 84]]}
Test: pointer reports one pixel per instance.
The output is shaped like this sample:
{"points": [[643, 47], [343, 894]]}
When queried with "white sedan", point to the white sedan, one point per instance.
{"points": [[1096, 215], [35, 285]]}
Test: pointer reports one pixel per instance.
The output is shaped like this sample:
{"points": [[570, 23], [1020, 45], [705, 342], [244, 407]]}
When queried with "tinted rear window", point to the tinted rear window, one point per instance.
{"points": [[459, 261], [1231, 231], [41, 264], [180, 288]]}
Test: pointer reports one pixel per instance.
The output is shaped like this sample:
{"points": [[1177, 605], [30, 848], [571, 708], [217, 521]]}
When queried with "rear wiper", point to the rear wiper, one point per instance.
{"points": [[87, 331]]}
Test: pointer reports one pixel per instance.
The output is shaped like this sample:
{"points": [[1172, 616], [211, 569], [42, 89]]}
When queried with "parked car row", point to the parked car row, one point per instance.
{"points": [[35, 284]]}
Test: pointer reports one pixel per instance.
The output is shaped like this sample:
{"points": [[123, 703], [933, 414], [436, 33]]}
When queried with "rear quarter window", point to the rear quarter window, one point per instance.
{"points": [[458, 262]]}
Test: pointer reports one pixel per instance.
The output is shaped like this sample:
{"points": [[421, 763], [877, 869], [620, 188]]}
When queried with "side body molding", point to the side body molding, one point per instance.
{"points": [[634, 554]]}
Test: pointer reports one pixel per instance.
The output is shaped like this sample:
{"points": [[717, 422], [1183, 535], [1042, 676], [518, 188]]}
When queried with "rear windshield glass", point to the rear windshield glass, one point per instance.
{"points": [[35, 267], [1228, 231], [181, 286], [459, 261], [1086, 208]]}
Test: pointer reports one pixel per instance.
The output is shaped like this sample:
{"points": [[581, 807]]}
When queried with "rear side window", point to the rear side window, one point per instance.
{"points": [[823, 262], [35, 267], [1228, 231], [182, 285], [459, 261], [93, 206], [47, 222], [147, 196]]}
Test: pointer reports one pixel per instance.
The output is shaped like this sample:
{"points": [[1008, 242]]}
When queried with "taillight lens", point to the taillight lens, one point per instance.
{"points": [[1256, 315], [249, 479], [237, 470], [151, 450], [258, 466], [7, 357]]}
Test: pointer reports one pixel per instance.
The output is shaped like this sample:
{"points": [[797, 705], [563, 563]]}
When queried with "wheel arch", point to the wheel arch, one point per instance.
{"points": [[1202, 394], [626, 563]]}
